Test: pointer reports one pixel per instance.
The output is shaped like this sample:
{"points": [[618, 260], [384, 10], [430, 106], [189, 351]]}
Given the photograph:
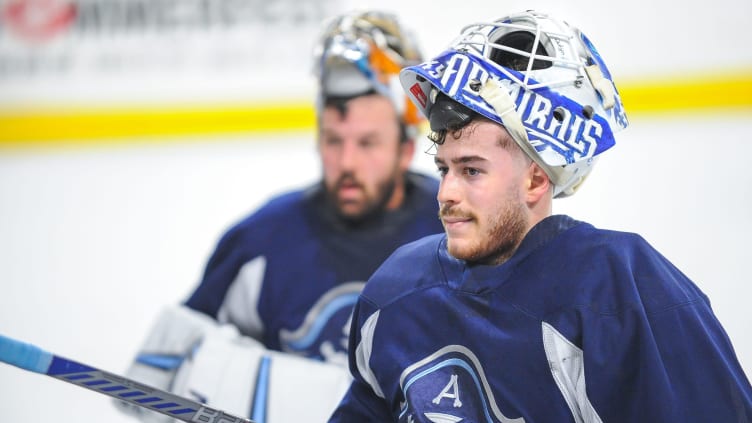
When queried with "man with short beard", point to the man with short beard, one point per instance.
{"points": [[515, 314], [265, 333]]}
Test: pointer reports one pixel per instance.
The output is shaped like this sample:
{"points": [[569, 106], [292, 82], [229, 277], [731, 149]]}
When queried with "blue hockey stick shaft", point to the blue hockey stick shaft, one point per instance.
{"points": [[37, 360]]}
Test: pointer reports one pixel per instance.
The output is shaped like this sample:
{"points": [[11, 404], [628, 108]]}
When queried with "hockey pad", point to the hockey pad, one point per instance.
{"points": [[175, 333], [240, 376]]}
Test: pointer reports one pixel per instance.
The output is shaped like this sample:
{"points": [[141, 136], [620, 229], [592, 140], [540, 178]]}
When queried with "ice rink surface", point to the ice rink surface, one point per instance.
{"points": [[93, 242]]}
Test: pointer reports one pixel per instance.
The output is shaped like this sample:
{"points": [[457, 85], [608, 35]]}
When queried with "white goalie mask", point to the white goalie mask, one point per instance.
{"points": [[540, 78], [363, 52]]}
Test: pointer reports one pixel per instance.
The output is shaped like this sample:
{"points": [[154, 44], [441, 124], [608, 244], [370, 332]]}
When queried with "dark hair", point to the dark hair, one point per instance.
{"points": [[448, 115], [451, 117], [340, 103]]}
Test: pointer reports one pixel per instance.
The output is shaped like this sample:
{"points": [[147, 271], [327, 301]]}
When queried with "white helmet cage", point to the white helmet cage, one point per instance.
{"points": [[363, 52], [540, 78]]}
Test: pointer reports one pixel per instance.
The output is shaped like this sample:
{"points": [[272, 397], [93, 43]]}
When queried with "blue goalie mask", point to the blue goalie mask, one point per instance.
{"points": [[540, 78]]}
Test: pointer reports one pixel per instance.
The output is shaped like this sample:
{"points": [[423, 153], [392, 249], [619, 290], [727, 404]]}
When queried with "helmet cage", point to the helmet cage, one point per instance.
{"points": [[558, 92]]}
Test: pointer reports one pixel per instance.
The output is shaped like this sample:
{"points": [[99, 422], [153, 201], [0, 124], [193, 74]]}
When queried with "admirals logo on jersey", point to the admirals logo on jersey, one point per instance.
{"points": [[449, 386], [325, 329]]}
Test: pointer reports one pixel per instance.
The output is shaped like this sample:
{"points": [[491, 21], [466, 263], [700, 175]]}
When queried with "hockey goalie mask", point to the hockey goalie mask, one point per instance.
{"points": [[538, 77], [362, 53]]}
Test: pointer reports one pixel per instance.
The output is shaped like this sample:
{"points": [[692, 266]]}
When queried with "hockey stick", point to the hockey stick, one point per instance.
{"points": [[34, 359]]}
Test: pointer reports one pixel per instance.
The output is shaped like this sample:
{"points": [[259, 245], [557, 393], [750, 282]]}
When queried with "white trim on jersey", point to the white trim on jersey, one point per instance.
{"points": [[567, 368], [240, 306], [363, 354]]}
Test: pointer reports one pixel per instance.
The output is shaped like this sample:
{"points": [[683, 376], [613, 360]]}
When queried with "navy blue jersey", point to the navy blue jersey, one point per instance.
{"points": [[289, 274], [580, 325]]}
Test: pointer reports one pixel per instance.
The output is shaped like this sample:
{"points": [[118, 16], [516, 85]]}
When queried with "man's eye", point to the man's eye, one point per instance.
{"points": [[332, 141], [442, 170], [367, 143], [472, 171]]}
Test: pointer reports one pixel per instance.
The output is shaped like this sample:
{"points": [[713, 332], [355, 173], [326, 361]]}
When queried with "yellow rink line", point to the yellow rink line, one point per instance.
{"points": [[722, 92], [80, 127]]}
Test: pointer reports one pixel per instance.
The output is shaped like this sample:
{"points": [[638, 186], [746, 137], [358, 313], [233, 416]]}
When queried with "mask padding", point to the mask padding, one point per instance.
{"points": [[447, 114]]}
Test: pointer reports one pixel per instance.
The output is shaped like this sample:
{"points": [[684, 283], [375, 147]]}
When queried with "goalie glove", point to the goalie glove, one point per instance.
{"points": [[190, 355], [176, 332]]}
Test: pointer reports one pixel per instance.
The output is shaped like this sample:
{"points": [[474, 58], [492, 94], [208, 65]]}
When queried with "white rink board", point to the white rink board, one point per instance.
{"points": [[265, 54]]}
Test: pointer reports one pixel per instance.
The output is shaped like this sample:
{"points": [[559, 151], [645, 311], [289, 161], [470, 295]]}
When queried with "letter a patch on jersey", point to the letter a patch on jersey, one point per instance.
{"points": [[449, 386]]}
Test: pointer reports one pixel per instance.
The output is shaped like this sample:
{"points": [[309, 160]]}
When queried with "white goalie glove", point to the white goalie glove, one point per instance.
{"points": [[190, 355]]}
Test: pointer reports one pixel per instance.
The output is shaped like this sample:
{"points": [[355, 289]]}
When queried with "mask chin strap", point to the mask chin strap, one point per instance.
{"points": [[504, 105], [603, 85]]}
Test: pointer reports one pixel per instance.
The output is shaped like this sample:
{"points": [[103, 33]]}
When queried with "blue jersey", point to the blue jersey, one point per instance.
{"points": [[579, 325], [289, 274]]}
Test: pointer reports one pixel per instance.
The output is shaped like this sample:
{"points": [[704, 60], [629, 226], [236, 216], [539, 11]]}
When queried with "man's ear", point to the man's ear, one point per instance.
{"points": [[538, 183], [407, 148]]}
